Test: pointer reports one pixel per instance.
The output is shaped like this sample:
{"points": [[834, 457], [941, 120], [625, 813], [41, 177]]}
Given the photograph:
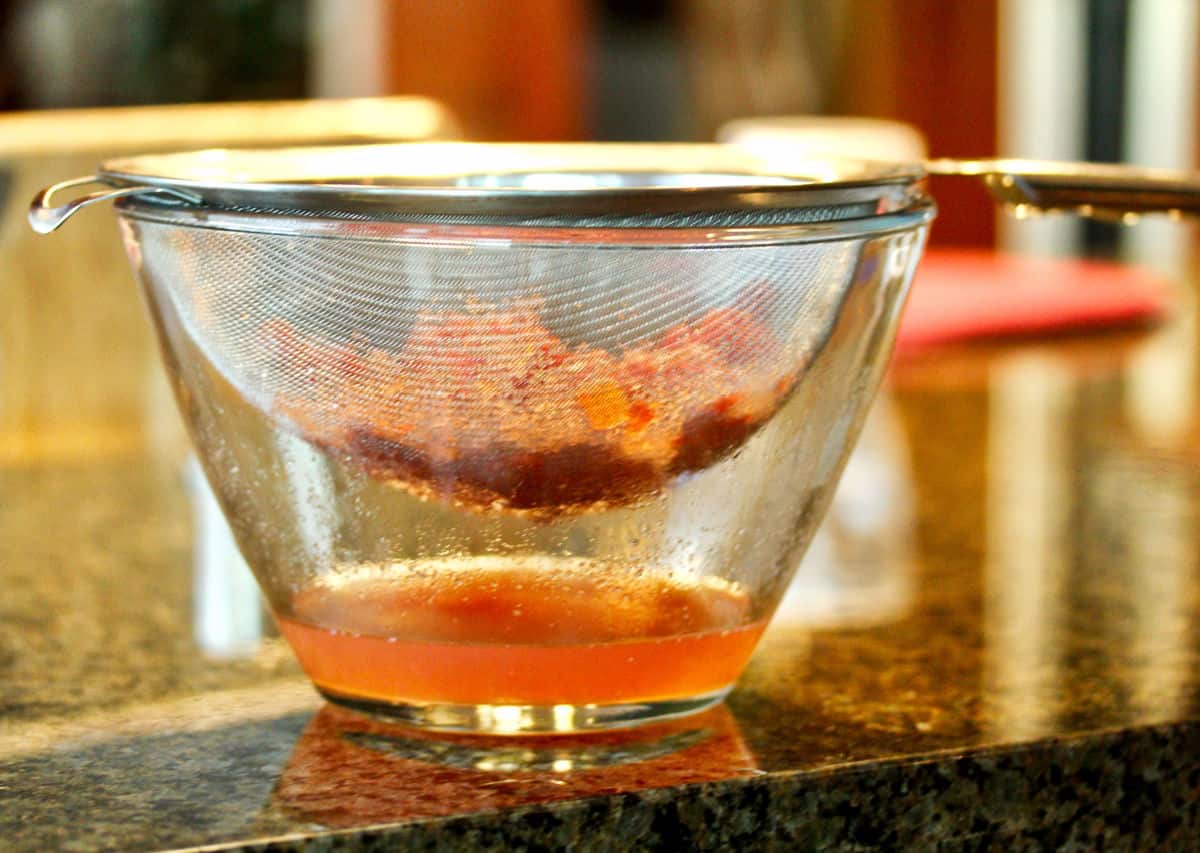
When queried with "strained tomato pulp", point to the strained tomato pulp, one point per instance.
{"points": [[493, 411], [519, 636]]}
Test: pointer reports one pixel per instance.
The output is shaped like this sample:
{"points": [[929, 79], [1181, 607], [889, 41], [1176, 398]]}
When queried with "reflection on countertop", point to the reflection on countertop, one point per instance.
{"points": [[347, 771], [1033, 678]]}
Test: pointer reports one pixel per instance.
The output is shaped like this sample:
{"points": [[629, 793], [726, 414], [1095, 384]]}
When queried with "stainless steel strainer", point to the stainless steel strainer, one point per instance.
{"points": [[547, 329]]}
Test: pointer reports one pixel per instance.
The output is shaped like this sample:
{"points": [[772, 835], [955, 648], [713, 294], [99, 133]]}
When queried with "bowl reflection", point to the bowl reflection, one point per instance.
{"points": [[349, 770]]}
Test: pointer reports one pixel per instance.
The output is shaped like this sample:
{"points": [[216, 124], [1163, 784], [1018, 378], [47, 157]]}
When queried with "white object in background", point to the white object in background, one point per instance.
{"points": [[228, 615], [1160, 117], [778, 138], [1040, 106], [348, 49]]}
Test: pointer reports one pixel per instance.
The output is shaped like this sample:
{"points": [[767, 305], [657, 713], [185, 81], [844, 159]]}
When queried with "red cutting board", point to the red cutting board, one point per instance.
{"points": [[960, 294]]}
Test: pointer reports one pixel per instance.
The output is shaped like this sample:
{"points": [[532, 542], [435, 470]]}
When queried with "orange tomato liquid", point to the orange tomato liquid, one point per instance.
{"points": [[523, 637]]}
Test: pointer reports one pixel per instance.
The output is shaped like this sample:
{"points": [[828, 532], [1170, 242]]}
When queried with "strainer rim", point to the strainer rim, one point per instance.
{"points": [[599, 182]]}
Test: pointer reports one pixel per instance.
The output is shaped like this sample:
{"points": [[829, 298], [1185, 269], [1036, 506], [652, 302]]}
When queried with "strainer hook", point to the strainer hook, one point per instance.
{"points": [[44, 216]]}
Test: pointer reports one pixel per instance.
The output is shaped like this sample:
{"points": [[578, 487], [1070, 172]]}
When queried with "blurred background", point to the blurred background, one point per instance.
{"points": [[1085, 79]]}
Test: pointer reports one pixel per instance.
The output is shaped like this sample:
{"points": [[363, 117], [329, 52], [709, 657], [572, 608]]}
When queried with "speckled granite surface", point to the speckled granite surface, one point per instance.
{"points": [[1031, 683]]}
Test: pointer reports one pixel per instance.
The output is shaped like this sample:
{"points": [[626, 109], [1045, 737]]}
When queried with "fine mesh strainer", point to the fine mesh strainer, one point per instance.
{"points": [[530, 438], [470, 336]]}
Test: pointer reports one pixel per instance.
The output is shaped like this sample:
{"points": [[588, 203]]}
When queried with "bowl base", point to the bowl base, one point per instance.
{"points": [[525, 719]]}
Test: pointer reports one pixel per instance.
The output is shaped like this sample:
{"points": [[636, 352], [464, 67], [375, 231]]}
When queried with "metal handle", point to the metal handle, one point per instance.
{"points": [[1096, 190], [44, 216]]}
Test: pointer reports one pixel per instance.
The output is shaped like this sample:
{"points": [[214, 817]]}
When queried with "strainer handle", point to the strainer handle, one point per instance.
{"points": [[45, 216], [1097, 190]]}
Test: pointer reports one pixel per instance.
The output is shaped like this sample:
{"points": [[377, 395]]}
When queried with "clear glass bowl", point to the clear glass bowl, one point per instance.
{"points": [[506, 479]]}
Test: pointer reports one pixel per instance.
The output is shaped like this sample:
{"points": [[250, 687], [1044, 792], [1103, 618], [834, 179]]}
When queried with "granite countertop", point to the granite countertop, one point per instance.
{"points": [[1014, 666]]}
